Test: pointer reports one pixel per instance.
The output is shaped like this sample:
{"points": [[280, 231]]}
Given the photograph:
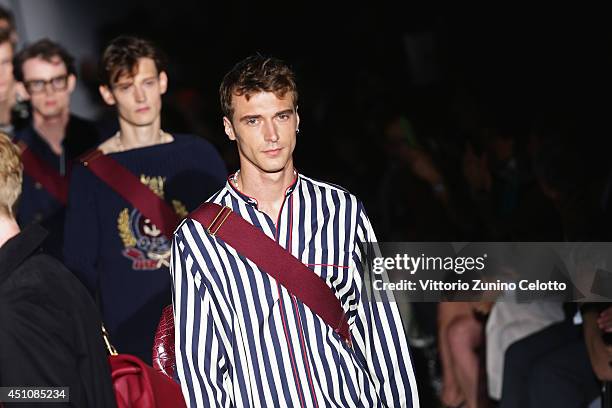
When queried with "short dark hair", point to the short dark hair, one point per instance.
{"points": [[6, 36], [46, 50], [121, 57], [256, 74], [6, 14]]}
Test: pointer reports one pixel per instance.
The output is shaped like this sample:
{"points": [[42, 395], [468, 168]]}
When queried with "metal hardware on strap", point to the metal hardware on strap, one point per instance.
{"points": [[91, 156], [218, 221], [342, 330], [111, 349]]}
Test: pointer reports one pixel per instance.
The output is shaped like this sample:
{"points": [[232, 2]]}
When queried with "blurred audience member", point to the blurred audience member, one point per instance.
{"points": [[460, 335], [503, 201], [504, 192], [597, 324], [557, 366], [509, 322], [418, 210]]}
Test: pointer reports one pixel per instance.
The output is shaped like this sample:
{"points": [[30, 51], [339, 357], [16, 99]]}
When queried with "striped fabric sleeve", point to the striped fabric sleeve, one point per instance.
{"points": [[379, 340], [199, 357]]}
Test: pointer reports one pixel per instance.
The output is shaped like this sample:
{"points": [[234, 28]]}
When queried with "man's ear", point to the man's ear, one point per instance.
{"points": [[107, 95], [297, 118], [21, 94], [229, 129], [71, 83], [163, 82]]}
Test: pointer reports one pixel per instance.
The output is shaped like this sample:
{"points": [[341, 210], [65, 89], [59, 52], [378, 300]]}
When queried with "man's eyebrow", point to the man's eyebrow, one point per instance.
{"points": [[247, 117], [123, 83], [130, 81], [284, 112]]}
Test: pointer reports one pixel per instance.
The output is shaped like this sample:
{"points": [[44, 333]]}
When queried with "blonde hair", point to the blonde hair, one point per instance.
{"points": [[11, 171]]}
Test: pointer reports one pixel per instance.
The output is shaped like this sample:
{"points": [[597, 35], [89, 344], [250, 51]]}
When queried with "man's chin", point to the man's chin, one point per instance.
{"points": [[140, 122], [50, 113], [272, 169]]}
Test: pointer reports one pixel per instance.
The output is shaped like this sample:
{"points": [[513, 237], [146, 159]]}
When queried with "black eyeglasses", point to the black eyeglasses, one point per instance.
{"points": [[58, 83]]}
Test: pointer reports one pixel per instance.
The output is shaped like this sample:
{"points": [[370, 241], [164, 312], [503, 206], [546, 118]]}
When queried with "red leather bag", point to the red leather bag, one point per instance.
{"points": [[163, 344], [138, 385]]}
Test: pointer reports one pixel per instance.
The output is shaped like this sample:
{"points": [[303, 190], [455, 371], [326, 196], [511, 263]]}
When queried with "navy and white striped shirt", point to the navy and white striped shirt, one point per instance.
{"points": [[242, 340]]}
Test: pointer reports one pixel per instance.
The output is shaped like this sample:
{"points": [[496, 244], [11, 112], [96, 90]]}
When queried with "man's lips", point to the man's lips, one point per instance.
{"points": [[143, 109], [273, 152]]}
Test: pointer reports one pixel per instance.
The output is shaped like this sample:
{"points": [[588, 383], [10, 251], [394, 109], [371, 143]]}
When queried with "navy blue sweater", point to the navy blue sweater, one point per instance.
{"points": [[38, 205], [120, 256]]}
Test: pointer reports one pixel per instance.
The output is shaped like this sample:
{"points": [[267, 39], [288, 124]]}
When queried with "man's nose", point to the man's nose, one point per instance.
{"points": [[49, 88], [139, 94], [270, 132]]}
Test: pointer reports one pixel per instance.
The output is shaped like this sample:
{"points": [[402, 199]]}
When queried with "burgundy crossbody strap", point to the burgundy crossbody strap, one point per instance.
{"points": [[48, 177], [270, 257], [128, 186]]}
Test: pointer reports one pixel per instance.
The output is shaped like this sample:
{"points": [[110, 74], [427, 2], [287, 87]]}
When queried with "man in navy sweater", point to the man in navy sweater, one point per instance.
{"points": [[52, 140], [116, 250]]}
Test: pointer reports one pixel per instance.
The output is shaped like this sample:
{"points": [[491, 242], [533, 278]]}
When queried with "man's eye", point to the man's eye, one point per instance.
{"points": [[283, 116], [252, 121], [150, 82]]}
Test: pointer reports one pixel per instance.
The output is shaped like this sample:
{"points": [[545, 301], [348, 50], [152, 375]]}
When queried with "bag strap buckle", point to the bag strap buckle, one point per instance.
{"points": [[218, 221]]}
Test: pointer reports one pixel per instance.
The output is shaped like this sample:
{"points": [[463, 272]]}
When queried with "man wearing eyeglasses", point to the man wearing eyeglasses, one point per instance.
{"points": [[54, 137]]}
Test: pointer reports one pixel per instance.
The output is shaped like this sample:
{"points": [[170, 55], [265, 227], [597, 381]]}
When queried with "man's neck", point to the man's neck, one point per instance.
{"points": [[5, 111], [133, 137], [8, 228], [268, 189], [6, 106], [52, 129]]}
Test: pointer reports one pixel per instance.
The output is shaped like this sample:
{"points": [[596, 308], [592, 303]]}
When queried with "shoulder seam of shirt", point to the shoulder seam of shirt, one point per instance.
{"points": [[326, 184]]}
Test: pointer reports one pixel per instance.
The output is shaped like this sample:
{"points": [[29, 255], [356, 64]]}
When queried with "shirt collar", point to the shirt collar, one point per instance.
{"points": [[251, 200]]}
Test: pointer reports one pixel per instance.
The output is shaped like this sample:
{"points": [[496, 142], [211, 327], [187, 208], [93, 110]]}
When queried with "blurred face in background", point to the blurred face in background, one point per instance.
{"points": [[138, 96], [6, 71], [6, 25], [48, 86]]}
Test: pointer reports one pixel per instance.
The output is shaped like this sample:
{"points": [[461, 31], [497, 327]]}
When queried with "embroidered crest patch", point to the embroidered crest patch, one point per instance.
{"points": [[144, 244]]}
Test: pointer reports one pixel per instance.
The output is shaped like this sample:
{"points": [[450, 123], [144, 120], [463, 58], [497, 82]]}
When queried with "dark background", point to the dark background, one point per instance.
{"points": [[465, 70]]}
